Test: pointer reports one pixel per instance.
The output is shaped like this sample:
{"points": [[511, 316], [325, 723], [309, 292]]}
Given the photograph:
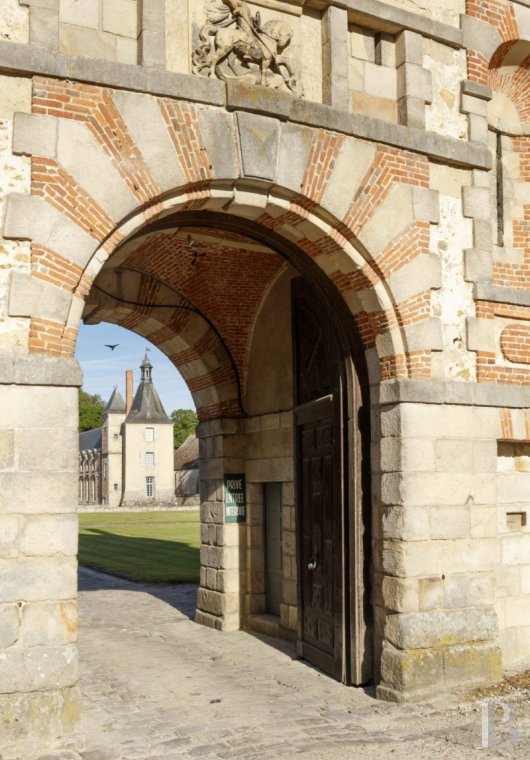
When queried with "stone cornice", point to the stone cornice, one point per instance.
{"points": [[487, 291], [409, 391], [30, 60]]}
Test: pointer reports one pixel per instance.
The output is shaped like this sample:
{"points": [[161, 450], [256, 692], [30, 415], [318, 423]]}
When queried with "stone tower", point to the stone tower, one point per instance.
{"points": [[112, 449], [147, 447]]}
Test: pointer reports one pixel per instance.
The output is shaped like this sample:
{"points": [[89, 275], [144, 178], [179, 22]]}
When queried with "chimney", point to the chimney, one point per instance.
{"points": [[128, 389]]}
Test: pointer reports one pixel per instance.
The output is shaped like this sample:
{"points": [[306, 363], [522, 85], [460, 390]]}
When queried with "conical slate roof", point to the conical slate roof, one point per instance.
{"points": [[116, 402], [146, 406]]}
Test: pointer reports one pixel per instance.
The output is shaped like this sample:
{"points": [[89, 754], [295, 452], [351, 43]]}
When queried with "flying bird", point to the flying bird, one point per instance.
{"points": [[112, 346]]}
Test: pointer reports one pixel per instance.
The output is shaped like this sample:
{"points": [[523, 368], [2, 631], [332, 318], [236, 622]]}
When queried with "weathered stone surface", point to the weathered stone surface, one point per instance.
{"points": [[422, 273], [7, 453], [32, 218], [39, 370], [39, 407], [80, 13], [409, 48], [35, 134], [49, 535], [392, 216], [435, 628], [144, 120], [48, 623], [349, 169], [54, 492], [476, 89], [83, 158], [9, 536], [51, 713], [37, 579], [480, 36], [478, 265], [295, 144], [258, 140], [410, 671], [481, 334], [476, 664], [31, 297], [44, 27], [44, 449], [38, 669], [424, 334], [426, 205], [414, 81], [217, 128], [335, 57], [9, 625], [120, 17]]}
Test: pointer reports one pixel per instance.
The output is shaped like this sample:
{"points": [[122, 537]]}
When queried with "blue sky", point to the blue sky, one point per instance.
{"points": [[103, 368]]}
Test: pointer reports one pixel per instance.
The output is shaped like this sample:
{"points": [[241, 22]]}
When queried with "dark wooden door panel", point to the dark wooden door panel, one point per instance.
{"points": [[319, 473]]}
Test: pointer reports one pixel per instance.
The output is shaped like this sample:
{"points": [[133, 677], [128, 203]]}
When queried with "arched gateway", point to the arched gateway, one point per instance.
{"points": [[304, 228]]}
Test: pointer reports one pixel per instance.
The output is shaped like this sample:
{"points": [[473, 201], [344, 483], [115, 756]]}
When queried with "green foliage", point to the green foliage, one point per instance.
{"points": [[91, 408], [184, 423], [152, 547]]}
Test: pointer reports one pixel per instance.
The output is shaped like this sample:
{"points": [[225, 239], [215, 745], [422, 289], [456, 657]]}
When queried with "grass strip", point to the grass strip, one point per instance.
{"points": [[150, 547]]}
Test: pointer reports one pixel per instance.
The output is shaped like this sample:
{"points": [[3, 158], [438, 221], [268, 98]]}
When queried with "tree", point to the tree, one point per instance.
{"points": [[91, 408], [184, 423]]}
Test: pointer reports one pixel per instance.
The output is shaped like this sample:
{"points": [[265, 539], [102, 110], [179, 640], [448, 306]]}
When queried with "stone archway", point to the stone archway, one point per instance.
{"points": [[92, 204]]}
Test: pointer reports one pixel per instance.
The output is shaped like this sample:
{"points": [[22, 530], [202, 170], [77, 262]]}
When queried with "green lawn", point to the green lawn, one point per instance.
{"points": [[157, 547]]}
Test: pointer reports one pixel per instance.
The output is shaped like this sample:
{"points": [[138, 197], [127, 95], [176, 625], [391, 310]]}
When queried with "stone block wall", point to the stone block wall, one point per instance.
{"points": [[101, 29], [38, 567], [105, 29], [513, 570], [436, 546], [14, 177], [269, 449], [223, 575]]}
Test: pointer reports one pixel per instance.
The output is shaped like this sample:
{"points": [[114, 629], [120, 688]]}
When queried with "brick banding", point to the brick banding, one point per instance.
{"points": [[94, 106], [390, 166]]}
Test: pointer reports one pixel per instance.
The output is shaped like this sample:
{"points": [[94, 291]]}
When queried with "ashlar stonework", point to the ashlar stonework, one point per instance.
{"points": [[329, 237]]}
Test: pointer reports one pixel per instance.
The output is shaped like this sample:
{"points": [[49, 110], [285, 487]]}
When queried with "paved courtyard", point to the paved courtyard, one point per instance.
{"points": [[156, 686]]}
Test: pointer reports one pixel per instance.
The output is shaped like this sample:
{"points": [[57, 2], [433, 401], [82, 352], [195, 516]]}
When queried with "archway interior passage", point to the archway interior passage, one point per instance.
{"points": [[217, 300]]}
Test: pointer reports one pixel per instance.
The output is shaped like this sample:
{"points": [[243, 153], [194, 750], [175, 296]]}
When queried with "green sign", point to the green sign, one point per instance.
{"points": [[235, 501]]}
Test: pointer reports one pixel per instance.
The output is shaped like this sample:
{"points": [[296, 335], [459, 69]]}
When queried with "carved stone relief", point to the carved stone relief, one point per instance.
{"points": [[235, 45]]}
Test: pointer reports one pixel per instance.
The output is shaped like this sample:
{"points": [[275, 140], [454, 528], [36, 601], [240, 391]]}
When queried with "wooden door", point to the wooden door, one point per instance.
{"points": [[319, 452]]}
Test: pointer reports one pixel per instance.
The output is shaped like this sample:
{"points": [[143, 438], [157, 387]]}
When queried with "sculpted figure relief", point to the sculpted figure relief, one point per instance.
{"points": [[235, 45]]}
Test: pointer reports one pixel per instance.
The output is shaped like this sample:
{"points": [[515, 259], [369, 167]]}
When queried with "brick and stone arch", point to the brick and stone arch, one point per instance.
{"points": [[100, 176], [110, 181], [371, 256]]}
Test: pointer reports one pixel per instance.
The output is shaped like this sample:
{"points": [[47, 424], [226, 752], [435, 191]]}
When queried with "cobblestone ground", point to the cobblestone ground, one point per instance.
{"points": [[156, 686]]}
